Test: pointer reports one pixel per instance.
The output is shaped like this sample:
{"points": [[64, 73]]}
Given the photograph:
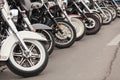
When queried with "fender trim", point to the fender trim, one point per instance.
{"points": [[41, 26], [74, 15]]}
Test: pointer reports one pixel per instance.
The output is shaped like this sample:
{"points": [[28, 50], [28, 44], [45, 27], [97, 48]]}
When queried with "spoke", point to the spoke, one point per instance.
{"points": [[31, 47], [21, 48], [17, 54], [35, 56], [30, 62], [22, 61]]}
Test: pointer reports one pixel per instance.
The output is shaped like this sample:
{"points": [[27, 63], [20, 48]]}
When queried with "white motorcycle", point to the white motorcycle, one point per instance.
{"points": [[21, 51]]}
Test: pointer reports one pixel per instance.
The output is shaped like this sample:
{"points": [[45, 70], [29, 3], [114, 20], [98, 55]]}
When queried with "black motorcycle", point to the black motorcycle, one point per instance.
{"points": [[64, 33], [113, 4], [58, 9], [110, 7], [92, 23]]}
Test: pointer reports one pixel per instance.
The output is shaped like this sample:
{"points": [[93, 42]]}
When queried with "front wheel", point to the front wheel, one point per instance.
{"points": [[28, 64], [113, 11], [107, 18], [93, 25], [65, 35]]}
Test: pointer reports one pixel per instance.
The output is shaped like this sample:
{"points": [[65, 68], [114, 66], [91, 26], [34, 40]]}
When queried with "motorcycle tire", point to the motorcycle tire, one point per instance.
{"points": [[108, 19], [63, 40], [113, 11], [30, 66], [94, 26]]}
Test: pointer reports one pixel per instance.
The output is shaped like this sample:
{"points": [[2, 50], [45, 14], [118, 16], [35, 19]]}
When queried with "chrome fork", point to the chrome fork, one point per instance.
{"points": [[99, 8], [6, 16]]}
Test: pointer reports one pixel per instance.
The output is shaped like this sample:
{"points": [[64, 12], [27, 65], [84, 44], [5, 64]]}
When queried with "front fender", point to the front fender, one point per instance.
{"points": [[11, 40], [74, 16], [41, 27], [95, 11]]}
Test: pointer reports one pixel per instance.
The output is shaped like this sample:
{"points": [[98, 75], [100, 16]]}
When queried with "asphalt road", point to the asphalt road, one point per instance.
{"points": [[92, 58]]}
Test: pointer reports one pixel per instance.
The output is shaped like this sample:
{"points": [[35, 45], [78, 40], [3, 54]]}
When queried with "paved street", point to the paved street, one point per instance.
{"points": [[95, 57]]}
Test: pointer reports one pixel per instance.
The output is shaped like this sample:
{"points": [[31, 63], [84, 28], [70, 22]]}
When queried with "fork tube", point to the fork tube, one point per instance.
{"points": [[65, 14], [115, 4], [80, 11], [86, 6], [51, 16], [98, 7], [26, 20], [13, 27]]}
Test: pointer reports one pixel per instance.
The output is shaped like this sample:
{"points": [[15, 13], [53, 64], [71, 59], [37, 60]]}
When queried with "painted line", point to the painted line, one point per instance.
{"points": [[115, 41]]}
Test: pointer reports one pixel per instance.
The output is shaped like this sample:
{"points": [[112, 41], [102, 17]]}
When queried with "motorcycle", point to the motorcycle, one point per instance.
{"points": [[59, 7], [23, 20], [22, 51], [113, 4], [64, 33], [105, 12], [112, 9], [89, 8], [91, 22]]}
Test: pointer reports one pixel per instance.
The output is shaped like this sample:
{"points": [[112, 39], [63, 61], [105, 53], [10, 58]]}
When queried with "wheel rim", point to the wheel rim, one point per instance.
{"points": [[33, 62], [92, 23], [66, 36], [113, 12], [107, 19]]}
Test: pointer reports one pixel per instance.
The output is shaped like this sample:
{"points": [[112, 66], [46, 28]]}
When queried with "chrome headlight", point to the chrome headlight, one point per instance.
{"points": [[51, 3], [36, 5], [14, 14]]}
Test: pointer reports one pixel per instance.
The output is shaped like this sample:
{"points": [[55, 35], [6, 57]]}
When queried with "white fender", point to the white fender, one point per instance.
{"points": [[11, 40], [74, 15]]}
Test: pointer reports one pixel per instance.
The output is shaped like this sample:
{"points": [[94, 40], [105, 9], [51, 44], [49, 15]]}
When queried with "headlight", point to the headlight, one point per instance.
{"points": [[36, 5], [14, 14]]}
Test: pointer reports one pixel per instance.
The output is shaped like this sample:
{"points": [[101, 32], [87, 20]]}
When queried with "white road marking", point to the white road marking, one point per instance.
{"points": [[115, 41]]}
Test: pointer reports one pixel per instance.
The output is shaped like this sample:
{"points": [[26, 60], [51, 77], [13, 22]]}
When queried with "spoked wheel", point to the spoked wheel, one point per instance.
{"points": [[108, 18], [50, 43], [66, 34], [93, 26], [79, 27], [30, 63], [113, 11]]}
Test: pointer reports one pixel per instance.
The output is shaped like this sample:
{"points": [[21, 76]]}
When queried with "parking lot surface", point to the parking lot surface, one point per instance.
{"points": [[95, 57]]}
